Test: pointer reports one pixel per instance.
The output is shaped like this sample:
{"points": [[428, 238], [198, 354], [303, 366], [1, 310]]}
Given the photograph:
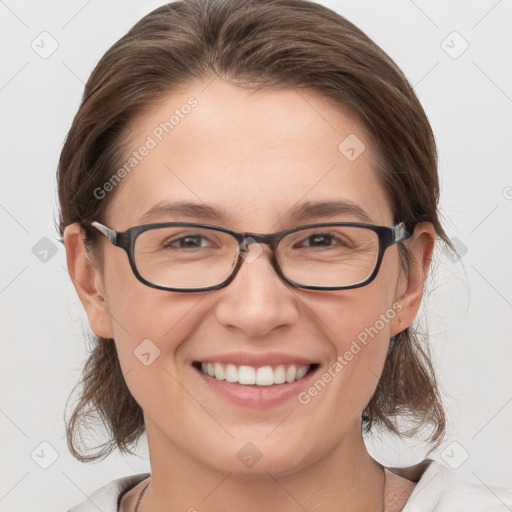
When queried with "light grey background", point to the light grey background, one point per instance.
{"points": [[468, 98]]}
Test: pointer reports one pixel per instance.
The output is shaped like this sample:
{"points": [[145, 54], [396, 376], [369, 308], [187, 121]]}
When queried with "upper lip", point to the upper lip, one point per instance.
{"points": [[256, 360]]}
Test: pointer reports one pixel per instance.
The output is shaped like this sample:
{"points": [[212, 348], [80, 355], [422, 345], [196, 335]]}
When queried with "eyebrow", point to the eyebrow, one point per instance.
{"points": [[299, 213], [198, 210], [320, 209]]}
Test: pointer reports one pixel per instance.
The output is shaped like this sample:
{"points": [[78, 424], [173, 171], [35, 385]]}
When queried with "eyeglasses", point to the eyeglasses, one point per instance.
{"points": [[189, 257]]}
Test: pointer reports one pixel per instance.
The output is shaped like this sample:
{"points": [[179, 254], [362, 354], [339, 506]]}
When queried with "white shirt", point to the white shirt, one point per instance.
{"points": [[439, 489]]}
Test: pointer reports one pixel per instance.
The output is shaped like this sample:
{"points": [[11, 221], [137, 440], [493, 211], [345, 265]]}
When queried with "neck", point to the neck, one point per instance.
{"points": [[344, 478]]}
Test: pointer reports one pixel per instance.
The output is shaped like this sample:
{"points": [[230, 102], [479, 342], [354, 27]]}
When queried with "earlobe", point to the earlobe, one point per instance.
{"points": [[410, 287], [88, 281]]}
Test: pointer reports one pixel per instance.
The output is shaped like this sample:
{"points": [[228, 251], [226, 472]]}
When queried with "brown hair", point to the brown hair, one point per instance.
{"points": [[257, 44]]}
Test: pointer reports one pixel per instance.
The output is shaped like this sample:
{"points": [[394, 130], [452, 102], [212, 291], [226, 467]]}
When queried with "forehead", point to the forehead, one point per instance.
{"points": [[254, 155]]}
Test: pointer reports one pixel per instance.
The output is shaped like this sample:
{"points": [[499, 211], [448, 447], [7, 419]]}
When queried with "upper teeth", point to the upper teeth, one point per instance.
{"points": [[263, 376]]}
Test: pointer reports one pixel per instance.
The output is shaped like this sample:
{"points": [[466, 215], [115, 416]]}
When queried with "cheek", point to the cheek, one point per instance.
{"points": [[152, 321], [137, 311], [146, 345], [150, 327], [358, 315], [357, 324]]}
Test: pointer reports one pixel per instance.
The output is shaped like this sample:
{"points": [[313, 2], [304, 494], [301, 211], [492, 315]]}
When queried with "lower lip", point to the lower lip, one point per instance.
{"points": [[256, 396]]}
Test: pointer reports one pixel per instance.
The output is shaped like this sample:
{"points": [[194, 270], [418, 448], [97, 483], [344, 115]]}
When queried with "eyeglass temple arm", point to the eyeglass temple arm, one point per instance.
{"points": [[400, 232], [111, 234]]}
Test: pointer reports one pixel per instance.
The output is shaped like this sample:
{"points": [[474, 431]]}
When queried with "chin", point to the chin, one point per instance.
{"points": [[256, 459]]}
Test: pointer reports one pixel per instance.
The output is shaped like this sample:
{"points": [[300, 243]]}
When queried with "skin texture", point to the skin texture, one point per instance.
{"points": [[256, 155]]}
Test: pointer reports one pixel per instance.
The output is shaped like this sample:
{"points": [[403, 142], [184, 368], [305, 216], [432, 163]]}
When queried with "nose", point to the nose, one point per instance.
{"points": [[257, 301]]}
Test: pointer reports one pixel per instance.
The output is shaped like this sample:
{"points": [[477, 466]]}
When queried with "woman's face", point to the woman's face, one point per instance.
{"points": [[256, 157]]}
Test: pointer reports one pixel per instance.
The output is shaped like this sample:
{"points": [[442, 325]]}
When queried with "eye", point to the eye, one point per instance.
{"points": [[187, 242], [322, 240]]}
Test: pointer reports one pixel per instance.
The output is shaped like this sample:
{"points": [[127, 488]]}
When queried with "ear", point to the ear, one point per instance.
{"points": [[88, 281], [411, 284]]}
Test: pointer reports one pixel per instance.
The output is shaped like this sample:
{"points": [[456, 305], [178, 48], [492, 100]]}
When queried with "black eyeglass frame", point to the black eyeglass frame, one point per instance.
{"points": [[388, 236]]}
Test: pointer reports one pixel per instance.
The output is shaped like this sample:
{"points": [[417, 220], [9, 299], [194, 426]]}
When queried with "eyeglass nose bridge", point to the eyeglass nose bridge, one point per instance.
{"points": [[247, 239]]}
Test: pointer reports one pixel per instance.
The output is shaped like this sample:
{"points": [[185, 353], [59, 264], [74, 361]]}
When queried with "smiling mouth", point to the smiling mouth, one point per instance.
{"points": [[255, 376]]}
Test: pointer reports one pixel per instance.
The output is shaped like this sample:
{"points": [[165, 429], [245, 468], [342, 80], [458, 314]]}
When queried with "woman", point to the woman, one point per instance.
{"points": [[248, 202]]}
